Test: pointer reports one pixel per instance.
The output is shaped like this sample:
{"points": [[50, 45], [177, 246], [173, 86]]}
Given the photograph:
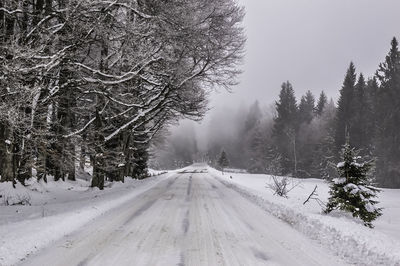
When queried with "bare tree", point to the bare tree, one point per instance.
{"points": [[107, 76]]}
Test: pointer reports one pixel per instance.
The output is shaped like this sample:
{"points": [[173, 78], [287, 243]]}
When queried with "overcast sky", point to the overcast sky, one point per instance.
{"points": [[311, 43]]}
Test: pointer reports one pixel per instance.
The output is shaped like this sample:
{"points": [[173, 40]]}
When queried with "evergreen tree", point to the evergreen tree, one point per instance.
{"points": [[322, 101], [250, 138], [324, 154], [372, 88], [352, 191], [306, 139], [306, 108], [388, 119], [372, 98], [257, 151], [63, 85], [273, 161], [223, 161], [345, 110], [253, 117], [361, 124], [286, 127]]}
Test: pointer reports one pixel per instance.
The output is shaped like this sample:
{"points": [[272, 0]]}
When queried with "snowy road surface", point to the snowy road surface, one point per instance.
{"points": [[188, 219]]}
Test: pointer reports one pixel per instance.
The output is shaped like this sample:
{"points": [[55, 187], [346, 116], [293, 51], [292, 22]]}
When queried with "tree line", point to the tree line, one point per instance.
{"points": [[304, 138], [95, 80]]}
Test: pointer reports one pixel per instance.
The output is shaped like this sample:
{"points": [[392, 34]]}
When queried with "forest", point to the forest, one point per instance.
{"points": [[97, 83], [303, 138], [92, 82]]}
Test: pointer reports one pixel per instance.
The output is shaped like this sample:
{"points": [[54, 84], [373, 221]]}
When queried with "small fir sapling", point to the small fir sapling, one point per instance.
{"points": [[352, 190]]}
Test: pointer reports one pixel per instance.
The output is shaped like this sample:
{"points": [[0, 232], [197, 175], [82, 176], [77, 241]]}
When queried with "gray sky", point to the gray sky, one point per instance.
{"points": [[311, 43]]}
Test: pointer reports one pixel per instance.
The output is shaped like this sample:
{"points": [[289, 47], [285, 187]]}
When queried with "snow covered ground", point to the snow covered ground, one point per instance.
{"points": [[56, 209], [186, 217], [191, 216], [343, 234]]}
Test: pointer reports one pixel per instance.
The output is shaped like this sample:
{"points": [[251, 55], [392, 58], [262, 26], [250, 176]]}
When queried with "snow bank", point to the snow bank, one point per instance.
{"points": [[344, 235], [60, 200], [153, 172]]}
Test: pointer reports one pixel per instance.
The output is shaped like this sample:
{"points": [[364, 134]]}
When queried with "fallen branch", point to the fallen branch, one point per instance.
{"points": [[313, 193]]}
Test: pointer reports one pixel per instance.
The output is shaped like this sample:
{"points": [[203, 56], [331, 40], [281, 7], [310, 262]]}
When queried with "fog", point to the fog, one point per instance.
{"points": [[308, 42]]}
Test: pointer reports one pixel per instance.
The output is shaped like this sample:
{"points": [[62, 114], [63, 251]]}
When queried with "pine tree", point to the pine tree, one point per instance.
{"points": [[388, 119], [286, 127], [306, 108], [249, 136], [306, 141], [273, 161], [223, 161], [372, 96], [352, 190], [324, 154], [371, 91], [322, 101], [58, 93], [345, 109], [257, 148], [360, 130], [253, 117]]}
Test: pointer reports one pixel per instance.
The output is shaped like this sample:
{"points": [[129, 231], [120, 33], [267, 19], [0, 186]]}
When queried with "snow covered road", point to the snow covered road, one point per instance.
{"points": [[190, 218]]}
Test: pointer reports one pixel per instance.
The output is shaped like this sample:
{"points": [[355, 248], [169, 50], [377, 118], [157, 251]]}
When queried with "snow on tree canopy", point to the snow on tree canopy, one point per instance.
{"points": [[339, 165], [339, 180], [352, 191]]}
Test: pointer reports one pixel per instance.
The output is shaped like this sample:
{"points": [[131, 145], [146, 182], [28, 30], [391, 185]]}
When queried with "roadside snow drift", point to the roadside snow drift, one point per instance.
{"points": [[341, 233], [57, 209]]}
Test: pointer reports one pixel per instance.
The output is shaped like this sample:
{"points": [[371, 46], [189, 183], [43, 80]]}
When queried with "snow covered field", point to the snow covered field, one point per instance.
{"points": [[56, 209], [343, 234], [191, 216]]}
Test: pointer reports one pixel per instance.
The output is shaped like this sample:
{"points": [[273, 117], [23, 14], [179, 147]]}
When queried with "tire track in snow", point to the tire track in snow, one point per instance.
{"points": [[185, 222], [140, 211], [189, 188], [104, 234]]}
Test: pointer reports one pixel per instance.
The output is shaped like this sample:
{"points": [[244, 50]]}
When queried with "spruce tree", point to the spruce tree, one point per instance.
{"points": [[360, 131], [388, 119], [248, 135], [253, 116], [322, 101], [258, 151], [286, 128], [306, 108], [345, 109], [306, 143], [371, 92], [352, 190], [223, 161], [325, 152]]}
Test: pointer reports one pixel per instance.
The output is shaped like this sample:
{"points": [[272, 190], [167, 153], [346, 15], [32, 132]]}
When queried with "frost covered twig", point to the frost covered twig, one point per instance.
{"points": [[282, 187]]}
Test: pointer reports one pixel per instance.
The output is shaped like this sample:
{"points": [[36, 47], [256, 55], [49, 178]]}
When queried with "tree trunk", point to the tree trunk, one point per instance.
{"points": [[7, 161], [41, 162], [82, 157], [98, 158], [71, 161]]}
